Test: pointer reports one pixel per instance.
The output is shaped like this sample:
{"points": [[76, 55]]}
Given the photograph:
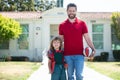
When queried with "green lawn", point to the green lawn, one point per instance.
{"points": [[17, 70], [111, 69]]}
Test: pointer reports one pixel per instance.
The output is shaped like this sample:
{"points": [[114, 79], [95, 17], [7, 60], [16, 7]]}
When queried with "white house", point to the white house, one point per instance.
{"points": [[39, 28]]}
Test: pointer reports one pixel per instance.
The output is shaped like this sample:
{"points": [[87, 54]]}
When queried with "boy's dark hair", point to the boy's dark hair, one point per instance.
{"points": [[54, 39], [71, 5]]}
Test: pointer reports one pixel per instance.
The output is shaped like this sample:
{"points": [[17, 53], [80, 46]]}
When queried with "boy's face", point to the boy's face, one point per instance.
{"points": [[71, 12], [56, 44]]}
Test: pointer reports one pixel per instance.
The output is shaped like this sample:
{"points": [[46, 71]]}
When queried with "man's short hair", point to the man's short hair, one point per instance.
{"points": [[71, 5]]}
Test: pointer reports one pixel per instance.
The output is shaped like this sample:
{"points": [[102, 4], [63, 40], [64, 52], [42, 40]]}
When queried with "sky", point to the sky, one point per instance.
{"points": [[95, 5]]}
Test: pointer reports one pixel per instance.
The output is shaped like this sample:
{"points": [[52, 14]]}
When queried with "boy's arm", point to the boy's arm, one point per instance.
{"points": [[65, 65], [49, 65]]}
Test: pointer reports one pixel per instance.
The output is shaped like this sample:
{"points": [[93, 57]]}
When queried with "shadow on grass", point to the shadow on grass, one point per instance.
{"points": [[118, 64]]}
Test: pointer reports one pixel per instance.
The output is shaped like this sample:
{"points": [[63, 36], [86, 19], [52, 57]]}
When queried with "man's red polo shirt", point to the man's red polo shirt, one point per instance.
{"points": [[73, 36]]}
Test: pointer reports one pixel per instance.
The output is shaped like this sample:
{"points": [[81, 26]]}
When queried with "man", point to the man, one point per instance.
{"points": [[72, 32]]}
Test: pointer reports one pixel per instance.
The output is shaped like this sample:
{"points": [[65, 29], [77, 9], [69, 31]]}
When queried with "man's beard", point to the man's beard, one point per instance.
{"points": [[72, 16]]}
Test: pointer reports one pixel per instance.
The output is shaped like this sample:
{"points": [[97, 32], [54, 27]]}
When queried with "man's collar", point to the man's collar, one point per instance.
{"points": [[75, 21]]}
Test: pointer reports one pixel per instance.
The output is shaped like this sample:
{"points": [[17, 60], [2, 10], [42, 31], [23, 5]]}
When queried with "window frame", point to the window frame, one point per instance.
{"points": [[6, 44], [98, 33], [27, 39]]}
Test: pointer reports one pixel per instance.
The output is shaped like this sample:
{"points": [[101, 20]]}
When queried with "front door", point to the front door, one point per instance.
{"points": [[37, 55]]}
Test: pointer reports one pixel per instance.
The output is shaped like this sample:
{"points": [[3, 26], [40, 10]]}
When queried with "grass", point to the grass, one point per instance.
{"points": [[17, 70], [111, 69]]}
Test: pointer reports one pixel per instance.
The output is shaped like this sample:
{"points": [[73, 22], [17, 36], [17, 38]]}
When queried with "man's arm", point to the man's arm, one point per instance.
{"points": [[61, 36], [90, 44]]}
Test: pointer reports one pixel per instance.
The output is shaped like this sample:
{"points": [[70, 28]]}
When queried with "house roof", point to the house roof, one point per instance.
{"points": [[95, 15], [22, 15], [34, 15]]}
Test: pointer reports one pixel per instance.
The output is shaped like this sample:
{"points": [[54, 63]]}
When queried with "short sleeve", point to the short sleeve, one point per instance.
{"points": [[85, 29], [60, 29], [50, 54]]}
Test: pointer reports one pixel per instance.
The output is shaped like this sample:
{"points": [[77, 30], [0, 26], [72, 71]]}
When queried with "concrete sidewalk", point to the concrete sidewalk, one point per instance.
{"points": [[43, 74]]}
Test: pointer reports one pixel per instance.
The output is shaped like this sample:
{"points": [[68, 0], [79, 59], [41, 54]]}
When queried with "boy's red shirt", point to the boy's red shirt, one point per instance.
{"points": [[51, 57]]}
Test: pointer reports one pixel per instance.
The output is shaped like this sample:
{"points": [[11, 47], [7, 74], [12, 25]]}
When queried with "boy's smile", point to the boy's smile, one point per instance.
{"points": [[56, 44]]}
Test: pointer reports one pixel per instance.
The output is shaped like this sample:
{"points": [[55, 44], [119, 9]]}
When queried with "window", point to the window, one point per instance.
{"points": [[59, 3], [115, 41], [4, 45], [97, 30], [23, 42]]}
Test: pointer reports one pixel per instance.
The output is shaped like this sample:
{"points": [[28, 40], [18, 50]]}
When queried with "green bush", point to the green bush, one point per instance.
{"points": [[104, 56], [9, 29], [97, 58], [116, 55]]}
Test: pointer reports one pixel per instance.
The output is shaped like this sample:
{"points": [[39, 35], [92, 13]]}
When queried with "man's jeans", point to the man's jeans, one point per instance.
{"points": [[75, 64]]}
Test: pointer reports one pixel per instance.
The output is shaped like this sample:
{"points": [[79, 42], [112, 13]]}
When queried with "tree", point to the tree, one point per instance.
{"points": [[4, 5], [26, 5], [16, 5], [116, 23], [30, 5], [44, 5], [9, 29]]}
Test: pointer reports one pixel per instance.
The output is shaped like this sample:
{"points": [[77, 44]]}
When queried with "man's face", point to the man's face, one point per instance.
{"points": [[71, 12]]}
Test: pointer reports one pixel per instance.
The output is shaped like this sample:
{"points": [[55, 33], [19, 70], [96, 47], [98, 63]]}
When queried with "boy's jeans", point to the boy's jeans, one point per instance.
{"points": [[58, 73], [75, 64]]}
